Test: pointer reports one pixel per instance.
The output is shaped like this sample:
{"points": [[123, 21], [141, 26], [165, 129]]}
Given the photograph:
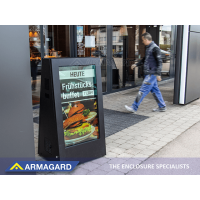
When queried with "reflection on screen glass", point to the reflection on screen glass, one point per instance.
{"points": [[79, 103]]}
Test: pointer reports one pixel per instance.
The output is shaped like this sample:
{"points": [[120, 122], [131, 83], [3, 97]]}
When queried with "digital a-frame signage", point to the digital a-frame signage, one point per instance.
{"points": [[71, 123]]}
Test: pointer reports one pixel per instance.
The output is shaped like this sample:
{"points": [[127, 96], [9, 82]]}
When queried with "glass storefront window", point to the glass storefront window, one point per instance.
{"points": [[35, 61], [34, 40], [92, 42], [56, 41], [126, 44], [165, 46], [127, 49]]}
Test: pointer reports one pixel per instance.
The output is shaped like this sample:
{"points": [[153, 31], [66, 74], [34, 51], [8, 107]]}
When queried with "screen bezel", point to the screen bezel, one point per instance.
{"points": [[85, 150]]}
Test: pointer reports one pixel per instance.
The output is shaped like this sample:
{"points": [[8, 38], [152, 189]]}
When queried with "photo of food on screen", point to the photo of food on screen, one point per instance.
{"points": [[80, 121]]}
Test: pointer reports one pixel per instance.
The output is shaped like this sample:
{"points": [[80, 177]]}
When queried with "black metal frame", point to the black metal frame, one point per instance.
{"points": [[73, 40], [41, 41], [109, 58], [82, 152], [173, 52], [157, 32], [179, 40]]}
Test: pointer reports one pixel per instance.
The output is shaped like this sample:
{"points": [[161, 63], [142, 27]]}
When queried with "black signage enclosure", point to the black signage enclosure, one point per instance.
{"points": [[71, 123]]}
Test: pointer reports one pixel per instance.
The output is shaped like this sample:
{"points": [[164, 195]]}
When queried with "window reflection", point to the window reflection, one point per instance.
{"points": [[55, 44], [127, 48], [165, 46], [56, 41], [35, 61], [92, 42]]}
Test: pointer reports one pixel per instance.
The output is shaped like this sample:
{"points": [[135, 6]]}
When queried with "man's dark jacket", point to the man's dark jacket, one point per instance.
{"points": [[152, 61]]}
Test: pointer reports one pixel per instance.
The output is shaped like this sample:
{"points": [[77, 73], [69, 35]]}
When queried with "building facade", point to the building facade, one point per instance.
{"points": [[117, 46]]}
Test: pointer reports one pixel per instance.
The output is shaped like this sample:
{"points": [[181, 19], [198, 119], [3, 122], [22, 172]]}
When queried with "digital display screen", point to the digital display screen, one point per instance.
{"points": [[78, 88]]}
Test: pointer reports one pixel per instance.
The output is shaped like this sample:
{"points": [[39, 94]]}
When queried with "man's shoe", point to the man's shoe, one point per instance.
{"points": [[163, 109], [129, 108]]}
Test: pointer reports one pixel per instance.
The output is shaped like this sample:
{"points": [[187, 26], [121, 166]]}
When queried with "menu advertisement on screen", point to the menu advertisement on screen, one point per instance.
{"points": [[79, 103]]}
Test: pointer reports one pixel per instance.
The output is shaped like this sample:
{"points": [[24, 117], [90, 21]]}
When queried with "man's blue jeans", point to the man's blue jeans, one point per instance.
{"points": [[149, 84]]}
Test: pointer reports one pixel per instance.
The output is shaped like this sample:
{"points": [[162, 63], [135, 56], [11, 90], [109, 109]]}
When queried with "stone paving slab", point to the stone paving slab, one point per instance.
{"points": [[105, 167], [97, 172], [101, 161], [115, 172], [90, 166], [125, 156], [79, 171]]}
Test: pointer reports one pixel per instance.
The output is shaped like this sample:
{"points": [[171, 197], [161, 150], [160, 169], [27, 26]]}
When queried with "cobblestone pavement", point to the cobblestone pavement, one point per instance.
{"points": [[137, 143]]}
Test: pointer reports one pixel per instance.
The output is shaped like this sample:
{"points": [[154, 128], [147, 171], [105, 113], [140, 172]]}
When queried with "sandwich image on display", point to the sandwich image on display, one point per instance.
{"points": [[75, 125], [77, 109]]}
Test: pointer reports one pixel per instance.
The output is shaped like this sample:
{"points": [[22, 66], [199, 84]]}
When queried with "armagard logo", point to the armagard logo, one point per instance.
{"points": [[38, 166], [16, 166]]}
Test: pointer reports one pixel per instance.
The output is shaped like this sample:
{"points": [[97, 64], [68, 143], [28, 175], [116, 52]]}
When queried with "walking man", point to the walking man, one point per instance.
{"points": [[152, 72]]}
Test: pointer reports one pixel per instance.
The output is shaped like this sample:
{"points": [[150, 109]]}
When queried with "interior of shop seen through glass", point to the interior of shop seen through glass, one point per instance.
{"points": [[52, 41], [128, 49]]}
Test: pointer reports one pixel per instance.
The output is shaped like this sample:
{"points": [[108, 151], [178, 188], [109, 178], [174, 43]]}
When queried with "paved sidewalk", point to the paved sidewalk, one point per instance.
{"points": [[187, 145], [142, 140]]}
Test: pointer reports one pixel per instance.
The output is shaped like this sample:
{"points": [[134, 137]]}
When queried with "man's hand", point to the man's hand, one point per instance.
{"points": [[159, 78], [133, 66]]}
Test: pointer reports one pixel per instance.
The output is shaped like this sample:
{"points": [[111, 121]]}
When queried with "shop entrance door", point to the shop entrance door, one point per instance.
{"points": [[127, 49], [154, 31], [163, 36], [92, 42]]}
